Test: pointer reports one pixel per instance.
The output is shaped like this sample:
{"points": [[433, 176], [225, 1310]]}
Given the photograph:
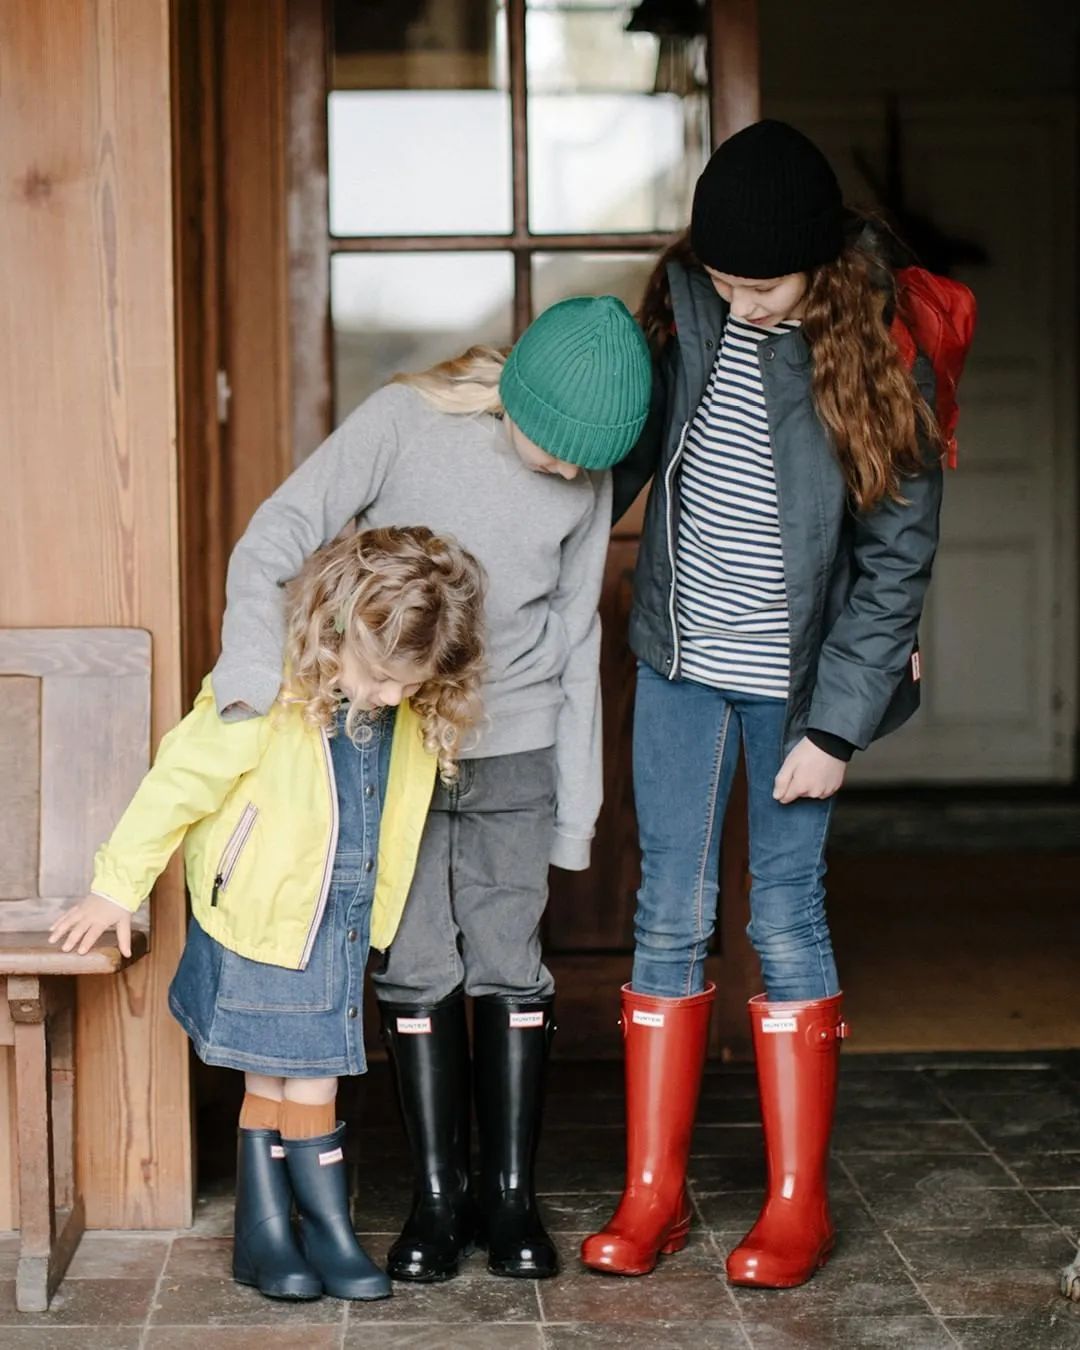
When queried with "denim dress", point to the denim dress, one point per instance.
{"points": [[307, 1023]]}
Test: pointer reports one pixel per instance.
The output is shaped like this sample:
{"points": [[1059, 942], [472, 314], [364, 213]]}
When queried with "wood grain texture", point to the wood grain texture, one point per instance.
{"points": [[51, 1213], [88, 522], [62, 1084], [20, 786], [30, 953], [33, 1093], [95, 732], [9, 1140], [111, 651]]}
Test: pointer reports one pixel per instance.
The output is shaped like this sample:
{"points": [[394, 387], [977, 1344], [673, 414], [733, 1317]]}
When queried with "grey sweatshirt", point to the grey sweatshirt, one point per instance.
{"points": [[542, 540]]}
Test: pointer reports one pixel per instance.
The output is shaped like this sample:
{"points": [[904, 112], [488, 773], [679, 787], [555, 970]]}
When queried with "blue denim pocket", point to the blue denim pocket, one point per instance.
{"points": [[252, 986]]}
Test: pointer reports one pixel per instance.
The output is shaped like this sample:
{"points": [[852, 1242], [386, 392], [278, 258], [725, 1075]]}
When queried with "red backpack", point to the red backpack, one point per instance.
{"points": [[936, 316]]}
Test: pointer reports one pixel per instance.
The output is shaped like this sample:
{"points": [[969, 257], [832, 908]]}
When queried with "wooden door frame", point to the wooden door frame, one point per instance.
{"points": [[235, 363], [198, 246]]}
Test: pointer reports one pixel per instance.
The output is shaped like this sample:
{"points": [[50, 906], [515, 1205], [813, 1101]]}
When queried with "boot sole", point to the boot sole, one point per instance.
{"points": [[512, 1270], [437, 1276], [427, 1277], [283, 1296], [795, 1282], [675, 1241], [358, 1298], [620, 1272], [523, 1273]]}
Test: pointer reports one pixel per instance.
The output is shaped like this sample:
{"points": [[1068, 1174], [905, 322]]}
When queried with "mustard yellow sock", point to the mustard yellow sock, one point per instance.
{"points": [[259, 1113], [298, 1120]]}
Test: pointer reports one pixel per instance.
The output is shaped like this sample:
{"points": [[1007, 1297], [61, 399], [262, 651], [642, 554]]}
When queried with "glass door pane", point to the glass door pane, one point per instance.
{"points": [[618, 120], [407, 311], [419, 118], [559, 275]]}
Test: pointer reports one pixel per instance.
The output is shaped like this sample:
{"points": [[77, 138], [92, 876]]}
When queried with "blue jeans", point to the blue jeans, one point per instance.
{"points": [[686, 749]]}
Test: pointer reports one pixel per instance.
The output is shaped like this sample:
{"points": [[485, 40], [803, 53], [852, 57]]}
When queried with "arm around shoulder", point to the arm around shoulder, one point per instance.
{"points": [[337, 482], [631, 475]]}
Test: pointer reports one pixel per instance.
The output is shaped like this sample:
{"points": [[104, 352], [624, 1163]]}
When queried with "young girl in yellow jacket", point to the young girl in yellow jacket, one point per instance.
{"points": [[301, 832]]}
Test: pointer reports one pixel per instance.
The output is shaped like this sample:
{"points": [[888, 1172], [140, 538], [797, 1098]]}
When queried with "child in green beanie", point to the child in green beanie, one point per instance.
{"points": [[510, 454]]}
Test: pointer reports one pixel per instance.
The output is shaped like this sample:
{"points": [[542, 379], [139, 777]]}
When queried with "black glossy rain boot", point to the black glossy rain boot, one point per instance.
{"points": [[511, 1041], [429, 1051], [320, 1183], [265, 1253]]}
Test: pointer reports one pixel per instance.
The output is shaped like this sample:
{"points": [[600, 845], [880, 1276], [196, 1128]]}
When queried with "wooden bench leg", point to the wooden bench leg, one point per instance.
{"points": [[47, 1239]]}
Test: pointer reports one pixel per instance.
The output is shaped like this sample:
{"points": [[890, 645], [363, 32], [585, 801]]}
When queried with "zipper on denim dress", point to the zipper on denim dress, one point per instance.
{"points": [[328, 865], [673, 618], [231, 854]]}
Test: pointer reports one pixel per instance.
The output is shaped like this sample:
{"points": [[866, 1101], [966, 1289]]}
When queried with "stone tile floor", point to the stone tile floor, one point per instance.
{"points": [[957, 1197]]}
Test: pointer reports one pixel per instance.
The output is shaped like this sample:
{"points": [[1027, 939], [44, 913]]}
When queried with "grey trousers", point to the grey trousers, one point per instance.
{"points": [[481, 886]]}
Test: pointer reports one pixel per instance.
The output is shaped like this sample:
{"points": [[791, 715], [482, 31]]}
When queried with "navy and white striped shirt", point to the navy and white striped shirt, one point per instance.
{"points": [[731, 602]]}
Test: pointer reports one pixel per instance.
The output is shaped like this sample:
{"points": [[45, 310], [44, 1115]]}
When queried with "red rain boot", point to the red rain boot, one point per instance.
{"points": [[665, 1054], [797, 1046]]}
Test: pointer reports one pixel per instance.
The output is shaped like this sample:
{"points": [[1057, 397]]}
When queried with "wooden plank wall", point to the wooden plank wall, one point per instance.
{"points": [[88, 512]]}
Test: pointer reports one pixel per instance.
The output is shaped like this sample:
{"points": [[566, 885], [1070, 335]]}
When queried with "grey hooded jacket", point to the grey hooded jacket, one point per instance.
{"points": [[855, 581]]}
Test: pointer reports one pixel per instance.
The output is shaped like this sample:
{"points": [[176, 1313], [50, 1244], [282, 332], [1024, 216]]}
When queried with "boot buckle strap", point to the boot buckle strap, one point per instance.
{"points": [[823, 1034]]}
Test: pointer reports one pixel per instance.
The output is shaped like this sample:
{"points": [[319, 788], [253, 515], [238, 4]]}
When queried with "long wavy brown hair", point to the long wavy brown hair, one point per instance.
{"points": [[881, 427], [395, 595]]}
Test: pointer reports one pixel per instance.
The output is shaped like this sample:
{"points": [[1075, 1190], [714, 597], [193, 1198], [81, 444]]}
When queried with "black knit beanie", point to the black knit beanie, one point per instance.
{"points": [[767, 204]]}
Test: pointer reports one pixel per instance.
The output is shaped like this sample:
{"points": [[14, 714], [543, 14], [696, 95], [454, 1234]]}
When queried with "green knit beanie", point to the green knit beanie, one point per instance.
{"points": [[578, 381]]}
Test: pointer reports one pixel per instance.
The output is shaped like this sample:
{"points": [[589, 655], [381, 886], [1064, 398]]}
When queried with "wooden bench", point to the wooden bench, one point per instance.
{"points": [[74, 743]]}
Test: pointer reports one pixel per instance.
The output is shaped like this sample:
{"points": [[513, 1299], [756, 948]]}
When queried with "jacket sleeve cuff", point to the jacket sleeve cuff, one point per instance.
{"points": [[108, 889], [570, 853], [832, 745], [233, 687]]}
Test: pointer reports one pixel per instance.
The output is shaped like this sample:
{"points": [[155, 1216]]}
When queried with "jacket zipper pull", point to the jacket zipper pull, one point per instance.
{"points": [[219, 881]]}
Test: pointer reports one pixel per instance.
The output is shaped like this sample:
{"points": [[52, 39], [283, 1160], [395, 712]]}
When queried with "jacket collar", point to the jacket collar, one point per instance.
{"points": [[700, 317]]}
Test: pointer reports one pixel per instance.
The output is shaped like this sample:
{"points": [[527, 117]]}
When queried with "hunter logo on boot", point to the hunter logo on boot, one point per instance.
{"points": [[335, 1155], [414, 1026], [771, 1025], [647, 1019], [526, 1019], [277, 1151]]}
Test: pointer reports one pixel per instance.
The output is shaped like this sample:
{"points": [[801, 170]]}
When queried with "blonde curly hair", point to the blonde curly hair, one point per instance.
{"points": [[394, 595], [468, 383]]}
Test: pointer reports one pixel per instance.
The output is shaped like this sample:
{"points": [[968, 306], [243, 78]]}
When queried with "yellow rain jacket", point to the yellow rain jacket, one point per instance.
{"points": [[255, 804]]}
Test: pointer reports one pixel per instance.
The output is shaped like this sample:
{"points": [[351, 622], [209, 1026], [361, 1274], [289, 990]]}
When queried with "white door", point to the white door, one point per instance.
{"points": [[998, 635]]}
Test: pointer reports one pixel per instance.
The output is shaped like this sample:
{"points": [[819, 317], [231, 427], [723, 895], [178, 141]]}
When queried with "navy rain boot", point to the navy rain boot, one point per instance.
{"points": [[320, 1183], [511, 1042], [429, 1052], [265, 1253]]}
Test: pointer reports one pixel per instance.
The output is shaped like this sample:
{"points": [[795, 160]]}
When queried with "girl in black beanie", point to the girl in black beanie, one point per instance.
{"points": [[784, 562]]}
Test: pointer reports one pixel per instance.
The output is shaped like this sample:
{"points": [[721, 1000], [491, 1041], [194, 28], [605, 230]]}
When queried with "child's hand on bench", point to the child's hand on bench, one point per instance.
{"points": [[85, 922]]}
